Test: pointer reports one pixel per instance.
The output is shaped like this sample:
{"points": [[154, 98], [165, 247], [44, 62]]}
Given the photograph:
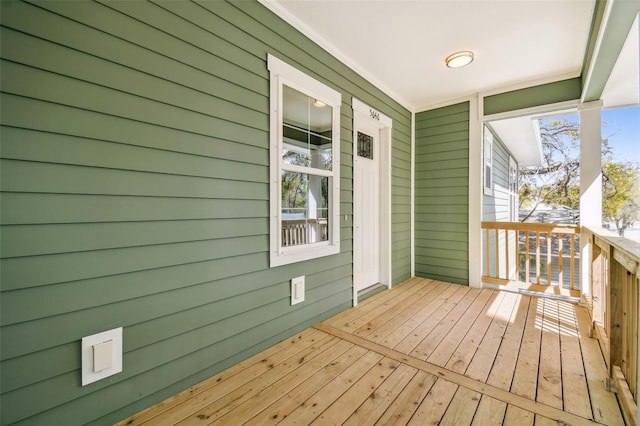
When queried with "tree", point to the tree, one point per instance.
{"points": [[620, 194], [556, 182]]}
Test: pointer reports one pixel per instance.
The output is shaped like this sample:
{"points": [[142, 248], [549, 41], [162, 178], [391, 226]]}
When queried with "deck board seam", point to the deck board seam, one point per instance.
{"points": [[459, 379]]}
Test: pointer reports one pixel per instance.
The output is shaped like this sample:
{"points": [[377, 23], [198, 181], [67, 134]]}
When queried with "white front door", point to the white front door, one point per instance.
{"points": [[366, 205]]}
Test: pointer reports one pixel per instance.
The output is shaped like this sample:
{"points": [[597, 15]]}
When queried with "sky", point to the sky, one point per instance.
{"points": [[622, 127]]}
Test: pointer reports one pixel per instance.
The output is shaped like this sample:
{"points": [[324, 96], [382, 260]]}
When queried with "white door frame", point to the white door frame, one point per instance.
{"points": [[362, 111]]}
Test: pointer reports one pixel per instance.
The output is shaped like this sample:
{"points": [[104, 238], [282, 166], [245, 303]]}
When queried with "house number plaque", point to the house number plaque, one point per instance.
{"points": [[374, 114]]}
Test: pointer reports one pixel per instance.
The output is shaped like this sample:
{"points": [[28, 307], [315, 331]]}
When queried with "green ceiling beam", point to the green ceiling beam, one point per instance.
{"points": [[544, 94]]}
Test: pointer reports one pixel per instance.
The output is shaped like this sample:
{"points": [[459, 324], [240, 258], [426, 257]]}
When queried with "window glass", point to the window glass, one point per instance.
{"points": [[307, 130], [305, 206]]}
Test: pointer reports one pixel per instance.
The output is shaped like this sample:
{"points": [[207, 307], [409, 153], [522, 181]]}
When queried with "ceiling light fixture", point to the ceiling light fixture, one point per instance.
{"points": [[319, 104], [459, 59]]}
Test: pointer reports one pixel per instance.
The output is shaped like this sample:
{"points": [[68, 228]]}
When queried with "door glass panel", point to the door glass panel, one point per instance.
{"points": [[365, 145]]}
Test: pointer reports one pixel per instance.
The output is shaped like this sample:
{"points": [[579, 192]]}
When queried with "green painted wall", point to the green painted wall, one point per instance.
{"points": [[134, 178], [544, 94], [442, 194]]}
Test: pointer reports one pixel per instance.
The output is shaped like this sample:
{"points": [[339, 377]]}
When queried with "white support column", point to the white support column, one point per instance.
{"points": [[475, 192], [590, 181], [590, 163]]}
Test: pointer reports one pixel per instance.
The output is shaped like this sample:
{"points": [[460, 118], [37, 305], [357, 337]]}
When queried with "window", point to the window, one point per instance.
{"points": [[513, 190], [488, 161], [304, 166]]}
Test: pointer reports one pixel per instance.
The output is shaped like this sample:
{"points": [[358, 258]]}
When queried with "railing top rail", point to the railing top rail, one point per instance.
{"points": [[533, 226], [629, 249]]}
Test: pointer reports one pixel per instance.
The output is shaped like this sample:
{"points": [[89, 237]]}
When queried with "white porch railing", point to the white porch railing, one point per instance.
{"points": [[300, 231]]}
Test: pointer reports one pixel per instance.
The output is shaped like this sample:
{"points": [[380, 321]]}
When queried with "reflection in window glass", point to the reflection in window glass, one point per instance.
{"points": [[305, 202], [306, 129]]}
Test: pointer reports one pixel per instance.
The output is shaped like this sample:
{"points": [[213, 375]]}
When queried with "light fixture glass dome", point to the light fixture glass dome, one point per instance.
{"points": [[459, 59]]}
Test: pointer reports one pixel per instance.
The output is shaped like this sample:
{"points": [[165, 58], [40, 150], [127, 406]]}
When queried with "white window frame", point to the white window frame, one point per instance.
{"points": [[513, 190], [281, 74], [488, 162]]}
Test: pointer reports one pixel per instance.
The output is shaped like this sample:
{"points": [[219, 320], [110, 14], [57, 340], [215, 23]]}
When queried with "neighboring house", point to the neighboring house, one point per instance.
{"points": [[142, 158], [544, 213], [500, 195]]}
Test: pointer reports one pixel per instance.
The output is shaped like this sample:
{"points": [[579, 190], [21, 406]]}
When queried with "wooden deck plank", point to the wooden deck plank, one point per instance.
{"points": [[550, 365], [265, 397], [435, 404], [196, 411], [525, 378], [228, 380], [404, 406], [544, 421], [469, 346], [417, 335], [462, 408], [490, 412], [494, 362], [372, 303], [434, 338], [281, 408], [603, 403], [459, 379], [381, 399], [575, 392], [390, 319], [398, 299], [310, 409], [482, 369], [394, 337], [342, 408], [516, 416], [445, 350]]}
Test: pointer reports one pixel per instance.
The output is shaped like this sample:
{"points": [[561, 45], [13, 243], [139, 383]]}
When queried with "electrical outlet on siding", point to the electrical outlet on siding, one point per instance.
{"points": [[297, 290]]}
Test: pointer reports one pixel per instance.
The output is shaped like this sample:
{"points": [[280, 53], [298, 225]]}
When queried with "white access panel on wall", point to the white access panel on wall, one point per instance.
{"points": [[101, 355]]}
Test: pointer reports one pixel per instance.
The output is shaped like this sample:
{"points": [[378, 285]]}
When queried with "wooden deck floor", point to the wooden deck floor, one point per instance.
{"points": [[423, 353]]}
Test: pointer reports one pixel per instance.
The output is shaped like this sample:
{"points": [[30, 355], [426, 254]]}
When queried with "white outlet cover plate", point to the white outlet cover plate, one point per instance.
{"points": [[90, 376], [297, 290]]}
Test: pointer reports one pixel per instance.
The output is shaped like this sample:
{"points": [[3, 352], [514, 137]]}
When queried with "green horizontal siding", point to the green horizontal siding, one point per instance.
{"points": [[442, 193], [134, 178]]}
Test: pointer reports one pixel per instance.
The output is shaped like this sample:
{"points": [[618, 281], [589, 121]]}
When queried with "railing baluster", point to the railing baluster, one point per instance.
{"points": [[488, 242], [573, 256], [499, 262], [549, 263], [527, 259], [538, 257], [506, 244], [560, 254], [497, 254], [517, 242]]}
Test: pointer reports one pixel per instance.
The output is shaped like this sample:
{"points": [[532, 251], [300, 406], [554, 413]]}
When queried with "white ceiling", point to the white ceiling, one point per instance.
{"points": [[400, 45]]}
